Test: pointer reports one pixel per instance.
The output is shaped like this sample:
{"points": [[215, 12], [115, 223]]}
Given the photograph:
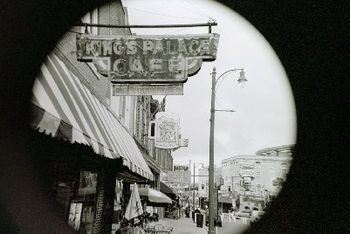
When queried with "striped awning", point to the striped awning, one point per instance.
{"points": [[70, 111]]}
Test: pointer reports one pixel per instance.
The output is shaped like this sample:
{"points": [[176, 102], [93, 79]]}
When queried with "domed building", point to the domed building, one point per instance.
{"points": [[256, 178]]}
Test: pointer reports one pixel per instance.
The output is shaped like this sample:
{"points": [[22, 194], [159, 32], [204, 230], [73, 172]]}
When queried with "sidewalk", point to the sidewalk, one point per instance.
{"points": [[187, 226], [182, 226], [230, 228]]}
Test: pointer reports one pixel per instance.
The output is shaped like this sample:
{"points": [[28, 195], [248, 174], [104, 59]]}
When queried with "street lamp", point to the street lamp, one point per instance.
{"points": [[212, 191]]}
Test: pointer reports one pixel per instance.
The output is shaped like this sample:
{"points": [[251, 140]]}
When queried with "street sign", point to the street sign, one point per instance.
{"points": [[139, 89], [247, 171], [147, 58]]}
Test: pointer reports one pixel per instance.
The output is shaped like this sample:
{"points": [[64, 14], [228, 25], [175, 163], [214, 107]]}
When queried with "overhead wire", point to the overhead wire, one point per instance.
{"points": [[164, 15], [199, 9], [185, 8], [179, 30], [204, 15]]}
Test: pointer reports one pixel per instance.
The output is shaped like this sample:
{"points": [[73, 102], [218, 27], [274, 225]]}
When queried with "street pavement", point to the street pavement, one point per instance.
{"points": [[182, 226], [232, 228], [187, 226]]}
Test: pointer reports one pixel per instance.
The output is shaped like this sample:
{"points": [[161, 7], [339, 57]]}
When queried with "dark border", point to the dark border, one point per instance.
{"points": [[306, 36]]}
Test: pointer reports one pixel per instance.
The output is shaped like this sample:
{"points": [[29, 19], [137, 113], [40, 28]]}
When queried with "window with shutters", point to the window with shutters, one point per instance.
{"points": [[122, 107], [137, 122], [144, 129]]}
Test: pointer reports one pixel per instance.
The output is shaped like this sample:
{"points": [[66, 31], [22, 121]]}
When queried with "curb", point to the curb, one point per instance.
{"points": [[205, 229]]}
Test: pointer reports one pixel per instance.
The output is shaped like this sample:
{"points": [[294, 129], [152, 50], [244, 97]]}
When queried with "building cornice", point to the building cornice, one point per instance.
{"points": [[257, 158], [276, 149]]}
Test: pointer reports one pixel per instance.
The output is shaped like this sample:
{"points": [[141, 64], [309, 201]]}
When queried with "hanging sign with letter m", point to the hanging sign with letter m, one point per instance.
{"points": [[128, 59]]}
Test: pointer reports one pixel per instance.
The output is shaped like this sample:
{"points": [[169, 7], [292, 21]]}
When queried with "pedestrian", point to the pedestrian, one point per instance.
{"points": [[187, 211], [182, 210], [233, 216]]}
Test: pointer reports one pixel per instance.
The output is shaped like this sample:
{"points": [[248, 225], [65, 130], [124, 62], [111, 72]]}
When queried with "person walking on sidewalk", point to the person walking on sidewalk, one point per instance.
{"points": [[187, 211], [182, 211], [233, 216]]}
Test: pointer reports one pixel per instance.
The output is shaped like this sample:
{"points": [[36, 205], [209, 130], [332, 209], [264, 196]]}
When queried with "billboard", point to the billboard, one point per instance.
{"points": [[147, 58]]}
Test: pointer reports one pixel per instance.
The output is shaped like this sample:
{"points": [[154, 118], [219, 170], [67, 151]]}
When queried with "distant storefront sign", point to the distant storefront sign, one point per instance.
{"points": [[147, 59], [180, 168], [247, 171], [139, 89], [167, 130]]}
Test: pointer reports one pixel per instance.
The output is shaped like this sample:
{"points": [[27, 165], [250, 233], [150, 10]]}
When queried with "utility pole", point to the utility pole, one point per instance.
{"points": [[211, 156], [212, 188], [194, 184], [189, 184]]}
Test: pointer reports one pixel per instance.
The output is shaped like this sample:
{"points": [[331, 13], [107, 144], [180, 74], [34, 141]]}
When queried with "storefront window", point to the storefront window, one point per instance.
{"points": [[84, 203], [74, 217], [117, 211], [87, 183]]}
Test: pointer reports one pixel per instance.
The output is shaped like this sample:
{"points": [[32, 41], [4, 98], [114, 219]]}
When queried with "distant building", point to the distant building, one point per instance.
{"points": [[202, 180], [262, 173]]}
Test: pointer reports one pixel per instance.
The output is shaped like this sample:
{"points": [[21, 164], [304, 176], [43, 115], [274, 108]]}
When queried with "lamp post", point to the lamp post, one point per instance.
{"points": [[212, 191]]}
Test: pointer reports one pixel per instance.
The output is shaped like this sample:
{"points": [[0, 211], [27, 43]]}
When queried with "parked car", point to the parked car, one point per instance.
{"points": [[246, 212]]}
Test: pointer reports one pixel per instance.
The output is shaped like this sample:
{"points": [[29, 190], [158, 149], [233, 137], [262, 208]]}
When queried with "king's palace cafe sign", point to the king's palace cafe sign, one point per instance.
{"points": [[140, 59]]}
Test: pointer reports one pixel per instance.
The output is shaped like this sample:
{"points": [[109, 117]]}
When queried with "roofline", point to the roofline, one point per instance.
{"points": [[276, 148], [258, 158]]}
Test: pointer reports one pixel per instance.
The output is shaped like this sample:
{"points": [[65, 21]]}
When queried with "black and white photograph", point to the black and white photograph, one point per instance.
{"points": [[163, 116]]}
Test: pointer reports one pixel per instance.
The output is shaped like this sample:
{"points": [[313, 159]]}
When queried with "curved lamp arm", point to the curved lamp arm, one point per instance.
{"points": [[226, 72]]}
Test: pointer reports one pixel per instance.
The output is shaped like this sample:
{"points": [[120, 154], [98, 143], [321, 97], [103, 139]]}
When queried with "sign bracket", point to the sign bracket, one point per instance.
{"points": [[208, 24]]}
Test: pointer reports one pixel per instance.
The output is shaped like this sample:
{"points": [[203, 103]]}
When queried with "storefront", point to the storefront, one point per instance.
{"points": [[91, 158]]}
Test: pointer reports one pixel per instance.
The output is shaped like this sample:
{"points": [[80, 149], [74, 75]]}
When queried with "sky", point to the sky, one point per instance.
{"points": [[264, 109]]}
